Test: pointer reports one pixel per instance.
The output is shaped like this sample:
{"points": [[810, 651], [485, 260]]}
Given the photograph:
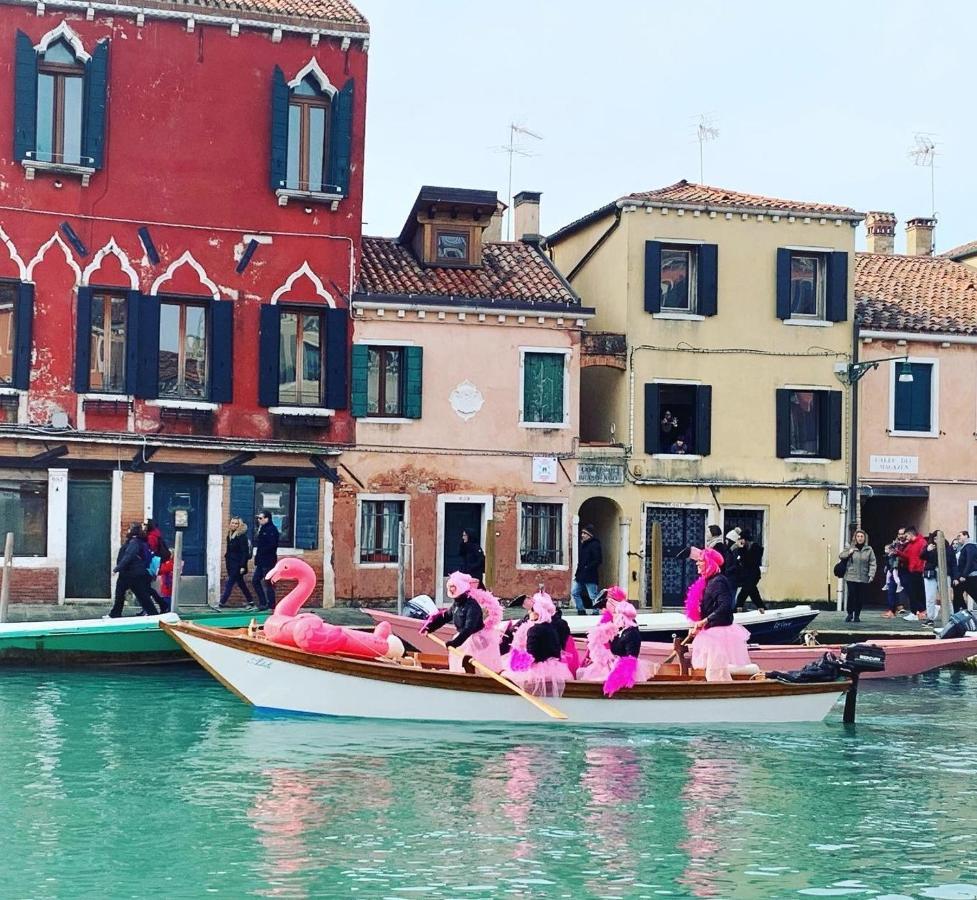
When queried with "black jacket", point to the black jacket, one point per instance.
{"points": [[130, 560], [717, 602], [748, 559], [465, 614], [237, 554], [967, 560], [562, 629], [266, 546], [588, 562], [472, 560], [543, 642], [627, 643], [931, 561]]}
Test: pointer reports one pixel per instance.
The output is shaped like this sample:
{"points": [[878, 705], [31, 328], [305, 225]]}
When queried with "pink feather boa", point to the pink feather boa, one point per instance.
{"points": [[599, 641], [623, 675], [491, 608], [693, 599]]}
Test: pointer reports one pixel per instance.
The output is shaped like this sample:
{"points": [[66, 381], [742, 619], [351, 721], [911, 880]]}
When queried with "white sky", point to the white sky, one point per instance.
{"points": [[814, 101]]}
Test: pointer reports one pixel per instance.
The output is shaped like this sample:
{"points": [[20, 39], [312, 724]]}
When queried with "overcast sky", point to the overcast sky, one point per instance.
{"points": [[814, 101]]}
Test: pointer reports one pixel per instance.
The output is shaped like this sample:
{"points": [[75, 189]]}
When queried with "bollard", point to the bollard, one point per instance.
{"points": [[177, 569], [8, 574]]}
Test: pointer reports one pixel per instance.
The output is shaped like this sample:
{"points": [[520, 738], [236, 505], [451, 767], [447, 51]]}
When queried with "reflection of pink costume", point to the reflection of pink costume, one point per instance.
{"points": [[542, 678], [615, 671]]}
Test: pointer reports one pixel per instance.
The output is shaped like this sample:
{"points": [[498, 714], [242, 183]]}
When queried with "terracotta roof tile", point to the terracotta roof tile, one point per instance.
{"points": [[510, 271], [333, 12], [926, 294], [706, 195], [964, 250]]}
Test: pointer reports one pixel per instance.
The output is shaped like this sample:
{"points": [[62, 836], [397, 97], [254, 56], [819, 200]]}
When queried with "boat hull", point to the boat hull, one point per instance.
{"points": [[272, 677]]}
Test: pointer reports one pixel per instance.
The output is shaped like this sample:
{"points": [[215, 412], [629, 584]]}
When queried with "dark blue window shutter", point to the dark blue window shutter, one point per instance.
{"points": [[783, 423], [337, 331], [25, 98], [341, 138], [783, 283], [269, 339], [279, 129], [23, 329], [359, 377], [83, 341], [913, 399], [707, 302], [830, 423], [306, 513], [96, 95], [134, 302], [147, 374], [413, 381], [703, 420], [653, 276], [242, 500], [222, 351], [652, 420], [837, 288]]}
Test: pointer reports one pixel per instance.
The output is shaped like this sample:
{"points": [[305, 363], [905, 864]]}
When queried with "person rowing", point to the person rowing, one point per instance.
{"points": [[568, 654], [476, 615], [614, 646], [535, 662]]}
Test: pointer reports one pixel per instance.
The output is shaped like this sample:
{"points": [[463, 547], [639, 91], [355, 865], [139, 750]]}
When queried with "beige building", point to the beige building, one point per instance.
{"points": [[709, 380]]}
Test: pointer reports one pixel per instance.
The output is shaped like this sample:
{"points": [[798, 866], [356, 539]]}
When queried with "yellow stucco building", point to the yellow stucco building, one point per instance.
{"points": [[710, 388]]}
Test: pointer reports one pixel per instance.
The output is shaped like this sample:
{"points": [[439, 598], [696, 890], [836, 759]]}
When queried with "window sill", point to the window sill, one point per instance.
{"points": [[107, 398], [286, 194], [7, 391], [380, 420], [198, 405], [679, 316], [550, 426], [32, 166], [915, 434], [290, 551], [389, 565], [317, 412], [529, 567], [810, 323], [691, 456], [809, 460]]}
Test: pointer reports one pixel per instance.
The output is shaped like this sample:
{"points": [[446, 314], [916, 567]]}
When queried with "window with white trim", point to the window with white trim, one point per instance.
{"points": [[544, 387], [380, 522], [541, 534]]}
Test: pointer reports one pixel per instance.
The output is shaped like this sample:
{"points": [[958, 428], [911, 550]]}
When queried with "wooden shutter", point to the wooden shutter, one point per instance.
{"points": [[836, 303], [707, 289], [222, 351], [653, 276], [83, 340], [279, 129], [703, 420], [269, 346], [96, 95], [134, 301], [829, 440], [359, 377], [783, 423], [912, 401], [341, 139], [147, 376], [25, 98], [337, 343], [783, 283], [242, 499], [413, 381], [23, 329], [306, 513], [652, 419]]}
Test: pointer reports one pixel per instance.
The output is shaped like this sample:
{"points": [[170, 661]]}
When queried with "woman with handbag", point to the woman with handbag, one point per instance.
{"points": [[859, 562]]}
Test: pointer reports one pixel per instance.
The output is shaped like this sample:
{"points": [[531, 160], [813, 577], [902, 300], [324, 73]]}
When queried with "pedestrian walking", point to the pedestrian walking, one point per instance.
{"points": [[859, 573], [912, 553], [748, 555], [236, 555], [966, 574], [130, 564], [585, 578], [265, 559], [472, 557]]}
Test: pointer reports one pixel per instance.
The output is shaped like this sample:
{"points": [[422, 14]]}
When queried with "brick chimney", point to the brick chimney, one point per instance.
{"points": [[526, 210], [493, 231], [919, 236], [880, 229]]}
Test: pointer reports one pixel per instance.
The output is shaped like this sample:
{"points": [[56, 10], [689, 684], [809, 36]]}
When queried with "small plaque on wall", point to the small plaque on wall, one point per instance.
{"points": [[544, 469]]}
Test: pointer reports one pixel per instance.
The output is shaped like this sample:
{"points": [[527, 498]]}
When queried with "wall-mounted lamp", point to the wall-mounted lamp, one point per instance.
{"points": [[856, 370]]}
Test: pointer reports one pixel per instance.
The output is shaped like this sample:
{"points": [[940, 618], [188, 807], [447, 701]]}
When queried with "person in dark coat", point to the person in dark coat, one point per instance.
{"points": [[718, 644], [585, 577], [130, 565], [748, 556], [472, 557], [265, 559], [236, 556]]}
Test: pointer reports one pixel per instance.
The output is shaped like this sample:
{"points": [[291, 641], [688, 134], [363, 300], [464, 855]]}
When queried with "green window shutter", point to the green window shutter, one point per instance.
{"points": [[279, 129], [242, 500], [413, 381], [96, 91], [23, 331], [912, 400], [25, 98], [222, 351], [359, 375], [83, 341], [133, 307], [542, 387], [269, 339], [306, 513], [337, 348], [341, 139]]}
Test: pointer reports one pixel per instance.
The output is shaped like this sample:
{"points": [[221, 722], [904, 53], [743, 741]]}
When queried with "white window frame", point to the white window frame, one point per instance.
{"points": [[934, 431], [819, 316], [564, 533], [750, 507], [693, 287], [566, 353], [688, 456], [405, 498], [385, 420]]}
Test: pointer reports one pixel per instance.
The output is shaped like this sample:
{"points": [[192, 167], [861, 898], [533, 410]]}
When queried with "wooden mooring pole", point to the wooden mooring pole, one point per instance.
{"points": [[401, 568], [656, 567], [177, 570], [946, 603], [8, 575]]}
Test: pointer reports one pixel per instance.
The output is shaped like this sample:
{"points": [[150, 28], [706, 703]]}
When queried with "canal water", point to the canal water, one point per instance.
{"points": [[158, 782]]}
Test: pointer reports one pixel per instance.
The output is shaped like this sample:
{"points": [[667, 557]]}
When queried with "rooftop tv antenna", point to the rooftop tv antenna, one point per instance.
{"points": [[923, 153], [514, 148], [705, 131]]}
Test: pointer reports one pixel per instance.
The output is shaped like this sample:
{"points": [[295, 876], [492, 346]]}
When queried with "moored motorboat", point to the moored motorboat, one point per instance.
{"points": [[276, 677]]}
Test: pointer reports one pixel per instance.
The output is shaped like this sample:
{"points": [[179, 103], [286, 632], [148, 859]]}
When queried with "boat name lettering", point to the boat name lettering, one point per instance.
{"points": [[259, 661]]}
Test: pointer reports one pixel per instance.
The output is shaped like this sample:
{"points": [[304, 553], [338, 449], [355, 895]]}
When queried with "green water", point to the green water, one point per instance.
{"points": [[160, 783]]}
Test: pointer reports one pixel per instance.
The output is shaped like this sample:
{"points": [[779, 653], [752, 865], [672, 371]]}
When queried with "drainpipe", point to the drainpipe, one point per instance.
{"points": [[854, 513]]}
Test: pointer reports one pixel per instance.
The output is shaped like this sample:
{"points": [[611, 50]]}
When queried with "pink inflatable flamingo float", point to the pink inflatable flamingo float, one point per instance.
{"points": [[309, 632]]}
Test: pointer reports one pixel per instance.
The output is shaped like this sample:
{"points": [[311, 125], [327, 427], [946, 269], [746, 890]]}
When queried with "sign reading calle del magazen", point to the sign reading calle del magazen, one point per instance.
{"points": [[904, 465]]}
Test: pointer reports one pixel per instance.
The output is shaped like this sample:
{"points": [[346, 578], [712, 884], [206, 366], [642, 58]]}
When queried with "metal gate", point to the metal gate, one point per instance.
{"points": [[680, 528]]}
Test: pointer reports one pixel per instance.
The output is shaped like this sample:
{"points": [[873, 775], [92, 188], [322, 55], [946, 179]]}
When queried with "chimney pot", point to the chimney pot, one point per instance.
{"points": [[880, 228], [919, 236], [526, 210]]}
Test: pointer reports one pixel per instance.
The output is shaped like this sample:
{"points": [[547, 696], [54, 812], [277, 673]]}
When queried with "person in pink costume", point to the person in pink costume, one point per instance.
{"points": [[614, 645], [476, 615], [535, 662], [718, 642]]}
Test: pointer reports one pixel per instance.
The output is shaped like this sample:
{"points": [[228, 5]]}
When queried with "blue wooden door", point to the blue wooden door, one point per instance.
{"points": [[177, 492], [88, 569]]}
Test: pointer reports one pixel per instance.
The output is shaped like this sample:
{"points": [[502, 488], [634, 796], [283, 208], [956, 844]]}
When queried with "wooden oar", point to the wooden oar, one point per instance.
{"points": [[551, 711]]}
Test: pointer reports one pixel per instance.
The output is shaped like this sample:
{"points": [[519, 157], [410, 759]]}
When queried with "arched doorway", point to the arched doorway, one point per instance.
{"points": [[605, 515]]}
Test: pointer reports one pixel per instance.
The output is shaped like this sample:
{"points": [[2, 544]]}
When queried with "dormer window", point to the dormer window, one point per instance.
{"points": [[451, 246]]}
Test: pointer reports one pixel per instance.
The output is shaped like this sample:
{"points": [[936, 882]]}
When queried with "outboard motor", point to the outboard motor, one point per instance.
{"points": [[420, 607], [958, 625], [855, 659]]}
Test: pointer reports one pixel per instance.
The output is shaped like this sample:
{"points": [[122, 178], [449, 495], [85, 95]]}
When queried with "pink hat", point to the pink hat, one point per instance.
{"points": [[459, 583], [712, 560], [543, 606], [616, 593], [626, 609]]}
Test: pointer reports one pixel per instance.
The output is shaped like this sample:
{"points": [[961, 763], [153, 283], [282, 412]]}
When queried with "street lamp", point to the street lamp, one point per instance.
{"points": [[856, 370]]}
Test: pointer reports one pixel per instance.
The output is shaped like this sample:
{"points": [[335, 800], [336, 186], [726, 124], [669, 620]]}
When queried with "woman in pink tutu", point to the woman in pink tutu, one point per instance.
{"points": [[614, 645], [718, 642], [535, 663], [476, 615]]}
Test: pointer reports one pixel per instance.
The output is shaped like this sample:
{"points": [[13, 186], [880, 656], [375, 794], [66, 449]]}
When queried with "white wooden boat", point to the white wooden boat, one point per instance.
{"points": [[271, 676]]}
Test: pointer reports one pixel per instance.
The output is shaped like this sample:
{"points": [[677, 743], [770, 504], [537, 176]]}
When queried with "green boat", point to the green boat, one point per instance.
{"points": [[127, 641]]}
